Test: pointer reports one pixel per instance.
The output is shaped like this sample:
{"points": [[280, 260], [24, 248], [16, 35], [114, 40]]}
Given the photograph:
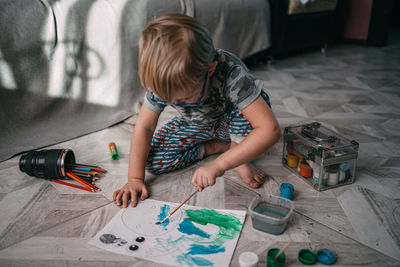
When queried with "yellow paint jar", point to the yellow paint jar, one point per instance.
{"points": [[292, 160]]}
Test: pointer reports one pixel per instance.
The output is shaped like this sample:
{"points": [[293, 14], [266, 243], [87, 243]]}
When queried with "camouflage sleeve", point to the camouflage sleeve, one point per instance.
{"points": [[151, 104], [241, 87]]}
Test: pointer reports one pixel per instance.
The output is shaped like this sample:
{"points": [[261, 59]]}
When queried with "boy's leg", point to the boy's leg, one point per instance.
{"points": [[177, 145], [216, 146]]}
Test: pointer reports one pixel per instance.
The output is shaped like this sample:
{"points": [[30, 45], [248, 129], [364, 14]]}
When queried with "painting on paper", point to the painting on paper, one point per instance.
{"points": [[192, 236]]}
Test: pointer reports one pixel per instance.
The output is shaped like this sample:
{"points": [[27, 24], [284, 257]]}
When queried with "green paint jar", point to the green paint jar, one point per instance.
{"points": [[271, 262]]}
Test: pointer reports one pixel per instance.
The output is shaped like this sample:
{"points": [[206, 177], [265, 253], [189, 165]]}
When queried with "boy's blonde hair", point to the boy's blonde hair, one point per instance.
{"points": [[175, 53]]}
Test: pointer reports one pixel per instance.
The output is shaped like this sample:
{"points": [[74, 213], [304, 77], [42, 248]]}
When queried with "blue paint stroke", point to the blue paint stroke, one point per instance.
{"points": [[164, 211], [187, 227], [193, 261], [202, 262], [201, 249], [176, 241], [168, 245]]}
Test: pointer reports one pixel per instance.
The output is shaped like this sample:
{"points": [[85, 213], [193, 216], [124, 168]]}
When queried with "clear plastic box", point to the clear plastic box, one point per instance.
{"points": [[270, 213], [319, 156]]}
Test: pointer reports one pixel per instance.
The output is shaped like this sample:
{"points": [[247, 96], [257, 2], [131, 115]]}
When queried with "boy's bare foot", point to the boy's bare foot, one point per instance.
{"points": [[215, 146], [251, 175]]}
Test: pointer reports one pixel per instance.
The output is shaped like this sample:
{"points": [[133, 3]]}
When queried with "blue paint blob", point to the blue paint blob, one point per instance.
{"points": [[164, 211], [187, 227], [196, 249]]}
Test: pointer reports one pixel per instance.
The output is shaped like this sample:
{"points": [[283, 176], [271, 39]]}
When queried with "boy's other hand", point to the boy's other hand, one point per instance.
{"points": [[206, 175], [131, 190]]}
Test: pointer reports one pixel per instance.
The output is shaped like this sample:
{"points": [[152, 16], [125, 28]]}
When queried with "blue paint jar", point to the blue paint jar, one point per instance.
{"points": [[287, 191]]}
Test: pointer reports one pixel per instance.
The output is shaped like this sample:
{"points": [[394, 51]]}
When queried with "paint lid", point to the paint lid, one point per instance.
{"points": [[248, 259], [287, 191], [326, 256], [307, 256]]}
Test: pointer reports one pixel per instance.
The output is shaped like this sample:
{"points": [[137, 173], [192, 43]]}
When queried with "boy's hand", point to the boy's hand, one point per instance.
{"points": [[132, 189], [206, 175]]}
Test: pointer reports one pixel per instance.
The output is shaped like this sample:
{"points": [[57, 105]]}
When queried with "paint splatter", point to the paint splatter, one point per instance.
{"points": [[229, 225], [187, 227], [204, 216], [196, 249]]}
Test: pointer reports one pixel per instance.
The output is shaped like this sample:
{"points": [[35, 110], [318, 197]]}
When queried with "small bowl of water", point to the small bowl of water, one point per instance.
{"points": [[270, 213]]}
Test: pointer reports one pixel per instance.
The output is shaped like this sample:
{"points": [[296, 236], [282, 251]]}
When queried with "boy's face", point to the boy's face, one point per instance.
{"points": [[195, 97], [191, 99]]}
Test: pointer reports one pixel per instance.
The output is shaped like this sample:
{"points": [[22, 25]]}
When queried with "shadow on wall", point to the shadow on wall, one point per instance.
{"points": [[83, 50], [134, 17], [23, 64], [76, 62]]}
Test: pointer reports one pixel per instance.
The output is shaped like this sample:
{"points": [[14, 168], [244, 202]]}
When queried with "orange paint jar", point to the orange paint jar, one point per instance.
{"points": [[305, 170]]}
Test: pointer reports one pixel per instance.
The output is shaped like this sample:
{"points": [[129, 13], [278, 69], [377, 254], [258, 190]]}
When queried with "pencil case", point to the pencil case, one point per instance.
{"points": [[47, 163]]}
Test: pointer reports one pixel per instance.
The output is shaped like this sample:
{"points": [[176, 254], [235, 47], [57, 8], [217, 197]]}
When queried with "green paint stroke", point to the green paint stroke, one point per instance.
{"points": [[229, 225]]}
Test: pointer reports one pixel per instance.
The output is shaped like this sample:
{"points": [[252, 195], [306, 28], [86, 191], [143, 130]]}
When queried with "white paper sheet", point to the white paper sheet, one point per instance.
{"points": [[179, 241]]}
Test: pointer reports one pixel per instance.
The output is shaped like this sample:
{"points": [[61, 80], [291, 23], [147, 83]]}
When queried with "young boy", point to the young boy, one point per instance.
{"points": [[222, 109]]}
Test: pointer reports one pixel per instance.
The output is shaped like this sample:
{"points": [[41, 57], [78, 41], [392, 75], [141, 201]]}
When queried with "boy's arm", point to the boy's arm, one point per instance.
{"points": [[264, 135], [139, 150]]}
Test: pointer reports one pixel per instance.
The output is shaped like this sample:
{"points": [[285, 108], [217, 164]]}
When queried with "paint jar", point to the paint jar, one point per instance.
{"points": [[287, 190], [333, 174], [248, 259], [270, 213], [324, 180], [292, 160], [47, 164], [305, 170], [344, 169], [316, 169], [271, 261]]}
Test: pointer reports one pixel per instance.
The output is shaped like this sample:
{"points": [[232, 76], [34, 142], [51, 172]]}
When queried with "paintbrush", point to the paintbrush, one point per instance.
{"points": [[178, 207], [282, 249]]}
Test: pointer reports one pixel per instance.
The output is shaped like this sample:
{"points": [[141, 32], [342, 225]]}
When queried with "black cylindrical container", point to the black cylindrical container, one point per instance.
{"points": [[48, 164]]}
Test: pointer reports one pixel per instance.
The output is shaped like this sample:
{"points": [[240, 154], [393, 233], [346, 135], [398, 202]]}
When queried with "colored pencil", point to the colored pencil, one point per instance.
{"points": [[88, 179], [80, 168], [86, 167], [91, 173], [81, 181], [73, 185], [81, 174], [98, 170]]}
